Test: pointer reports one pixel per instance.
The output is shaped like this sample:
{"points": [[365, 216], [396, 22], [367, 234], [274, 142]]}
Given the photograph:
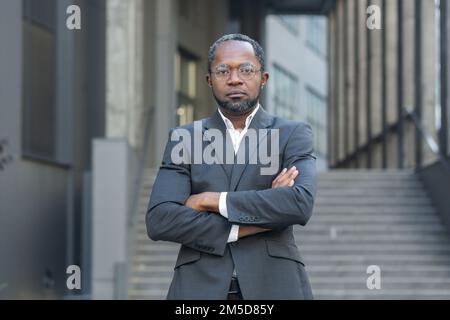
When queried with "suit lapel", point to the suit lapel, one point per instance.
{"points": [[216, 122], [262, 120]]}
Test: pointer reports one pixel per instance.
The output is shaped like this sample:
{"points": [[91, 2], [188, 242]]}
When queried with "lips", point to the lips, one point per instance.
{"points": [[236, 94]]}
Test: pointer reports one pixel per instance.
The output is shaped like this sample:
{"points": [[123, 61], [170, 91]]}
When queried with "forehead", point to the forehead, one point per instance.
{"points": [[234, 53]]}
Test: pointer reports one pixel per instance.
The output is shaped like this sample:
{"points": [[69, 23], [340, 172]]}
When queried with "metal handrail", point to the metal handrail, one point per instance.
{"points": [[140, 172], [122, 277], [426, 135]]}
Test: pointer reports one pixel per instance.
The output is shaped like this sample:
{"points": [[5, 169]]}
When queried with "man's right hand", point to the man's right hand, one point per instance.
{"points": [[284, 179]]}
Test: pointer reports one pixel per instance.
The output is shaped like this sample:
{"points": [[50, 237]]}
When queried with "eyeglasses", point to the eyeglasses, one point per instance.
{"points": [[245, 72]]}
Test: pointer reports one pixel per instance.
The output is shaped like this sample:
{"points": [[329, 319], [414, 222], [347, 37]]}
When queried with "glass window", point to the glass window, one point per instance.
{"points": [[185, 82], [285, 97], [290, 22], [316, 35], [316, 116], [39, 113]]}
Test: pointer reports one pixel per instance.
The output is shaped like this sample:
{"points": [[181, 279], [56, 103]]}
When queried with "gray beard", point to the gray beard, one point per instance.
{"points": [[237, 108]]}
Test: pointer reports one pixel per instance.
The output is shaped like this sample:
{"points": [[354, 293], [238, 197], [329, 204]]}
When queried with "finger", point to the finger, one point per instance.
{"points": [[294, 174], [288, 175], [291, 183], [279, 176], [282, 173], [284, 182]]}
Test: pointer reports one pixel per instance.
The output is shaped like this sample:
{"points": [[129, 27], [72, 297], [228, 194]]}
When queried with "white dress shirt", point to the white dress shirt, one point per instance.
{"points": [[236, 138]]}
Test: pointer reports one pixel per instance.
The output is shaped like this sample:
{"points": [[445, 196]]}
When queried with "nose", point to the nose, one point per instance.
{"points": [[234, 79]]}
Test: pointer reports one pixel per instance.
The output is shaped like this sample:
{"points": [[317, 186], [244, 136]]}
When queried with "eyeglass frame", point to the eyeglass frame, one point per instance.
{"points": [[213, 72]]}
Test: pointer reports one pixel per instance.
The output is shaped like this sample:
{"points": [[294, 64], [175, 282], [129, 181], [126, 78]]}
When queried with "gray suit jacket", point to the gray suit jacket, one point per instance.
{"points": [[268, 265]]}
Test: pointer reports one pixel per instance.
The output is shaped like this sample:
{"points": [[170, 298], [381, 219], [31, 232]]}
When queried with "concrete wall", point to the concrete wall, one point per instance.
{"points": [[41, 209], [33, 196]]}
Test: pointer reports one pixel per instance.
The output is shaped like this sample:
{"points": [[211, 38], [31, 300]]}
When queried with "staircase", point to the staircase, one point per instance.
{"points": [[381, 218], [361, 219], [153, 261]]}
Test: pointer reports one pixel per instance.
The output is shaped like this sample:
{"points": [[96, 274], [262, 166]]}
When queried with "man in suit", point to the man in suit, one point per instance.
{"points": [[235, 224]]}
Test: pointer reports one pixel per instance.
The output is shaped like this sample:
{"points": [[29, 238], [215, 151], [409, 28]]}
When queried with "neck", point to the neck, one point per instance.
{"points": [[238, 120]]}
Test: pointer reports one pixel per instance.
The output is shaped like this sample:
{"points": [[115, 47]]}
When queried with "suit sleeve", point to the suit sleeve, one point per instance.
{"points": [[168, 219], [281, 207]]}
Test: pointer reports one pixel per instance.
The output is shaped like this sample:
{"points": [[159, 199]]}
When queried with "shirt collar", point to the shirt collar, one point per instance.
{"points": [[249, 119]]}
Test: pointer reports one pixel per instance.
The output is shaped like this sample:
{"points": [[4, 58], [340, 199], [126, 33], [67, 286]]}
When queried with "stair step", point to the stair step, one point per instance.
{"points": [[371, 201], [149, 294], [385, 209], [384, 279], [368, 184], [385, 285], [379, 228], [372, 219], [155, 273], [365, 239], [152, 286], [374, 248], [150, 281], [376, 172], [384, 268], [374, 192], [362, 294], [376, 258]]}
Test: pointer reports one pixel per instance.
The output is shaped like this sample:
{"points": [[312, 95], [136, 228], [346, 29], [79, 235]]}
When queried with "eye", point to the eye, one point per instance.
{"points": [[222, 72], [246, 70]]}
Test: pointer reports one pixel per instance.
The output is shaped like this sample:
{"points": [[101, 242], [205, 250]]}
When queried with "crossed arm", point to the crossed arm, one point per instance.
{"points": [[209, 201], [175, 215]]}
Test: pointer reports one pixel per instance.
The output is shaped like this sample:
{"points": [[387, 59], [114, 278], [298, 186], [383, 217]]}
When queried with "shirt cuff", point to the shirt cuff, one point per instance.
{"points": [[223, 204], [234, 233]]}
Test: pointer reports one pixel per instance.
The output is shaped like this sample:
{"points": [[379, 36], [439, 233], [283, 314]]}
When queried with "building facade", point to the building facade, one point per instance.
{"points": [[388, 66], [297, 88]]}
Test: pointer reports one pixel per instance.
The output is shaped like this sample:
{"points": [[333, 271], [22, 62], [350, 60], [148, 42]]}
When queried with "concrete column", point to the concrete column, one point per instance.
{"points": [[331, 89], [362, 76], [429, 55], [165, 95], [390, 21], [408, 79], [340, 85], [376, 89], [124, 70], [350, 29], [110, 202]]}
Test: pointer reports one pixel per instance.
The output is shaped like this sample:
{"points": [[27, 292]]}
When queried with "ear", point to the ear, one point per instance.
{"points": [[208, 80], [264, 79]]}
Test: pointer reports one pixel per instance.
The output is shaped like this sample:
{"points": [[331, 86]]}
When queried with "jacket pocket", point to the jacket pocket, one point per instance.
{"points": [[284, 250], [187, 255]]}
